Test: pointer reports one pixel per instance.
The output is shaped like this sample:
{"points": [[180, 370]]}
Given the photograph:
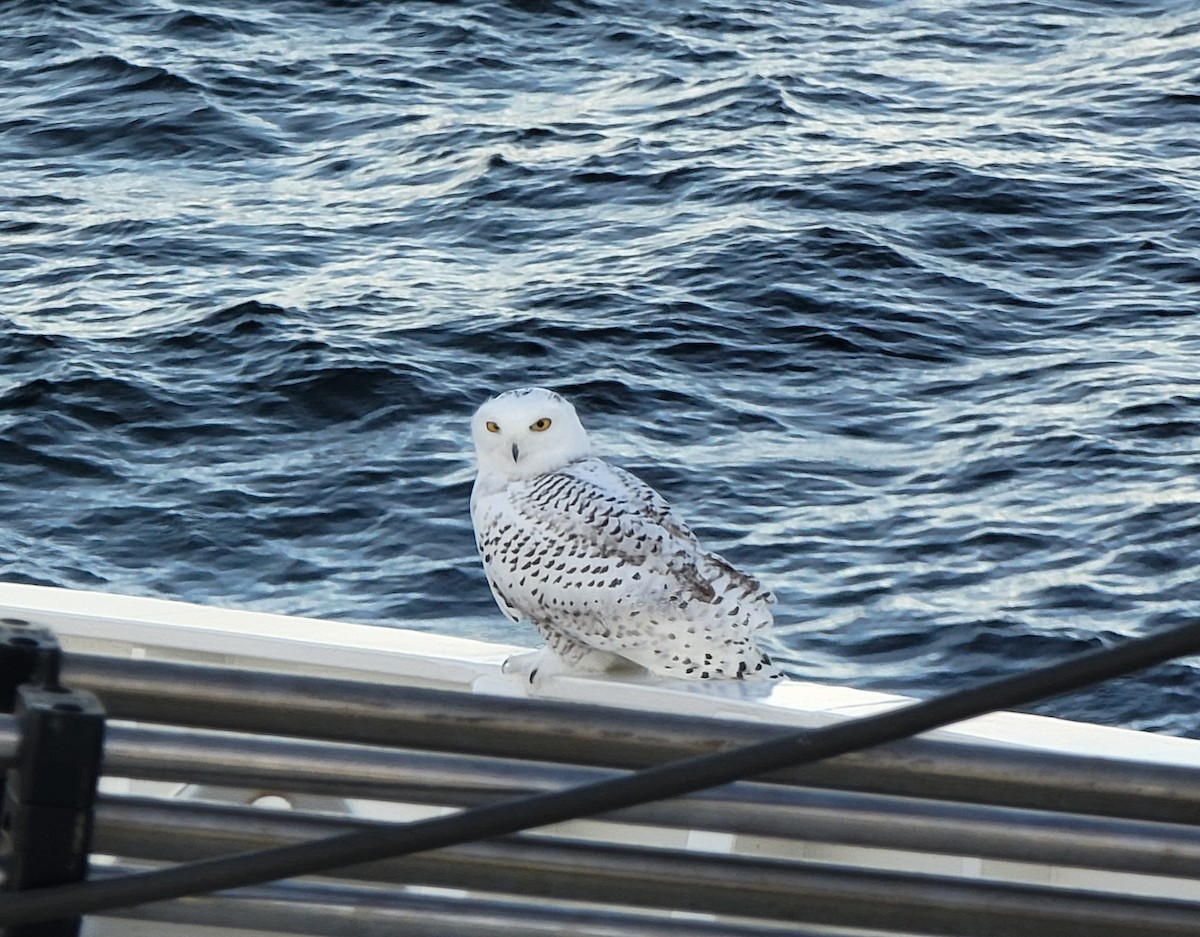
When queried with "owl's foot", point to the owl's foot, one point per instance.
{"points": [[533, 666], [536, 667]]}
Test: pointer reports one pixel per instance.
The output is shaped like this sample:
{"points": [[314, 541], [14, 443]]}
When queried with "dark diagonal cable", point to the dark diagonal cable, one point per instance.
{"points": [[672, 779]]}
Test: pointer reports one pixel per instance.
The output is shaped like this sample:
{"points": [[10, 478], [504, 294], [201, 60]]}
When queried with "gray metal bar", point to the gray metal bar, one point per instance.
{"points": [[9, 738], [283, 766], [288, 766], [316, 908], [656, 878], [351, 711]]}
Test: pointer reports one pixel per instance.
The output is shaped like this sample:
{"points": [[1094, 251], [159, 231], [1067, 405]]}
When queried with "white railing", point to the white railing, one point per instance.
{"points": [[958, 832]]}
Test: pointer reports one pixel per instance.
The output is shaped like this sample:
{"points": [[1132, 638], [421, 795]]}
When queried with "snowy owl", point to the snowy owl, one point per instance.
{"points": [[597, 560]]}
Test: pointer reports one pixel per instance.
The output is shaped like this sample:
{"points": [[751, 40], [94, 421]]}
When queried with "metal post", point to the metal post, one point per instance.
{"points": [[28, 654], [46, 822]]}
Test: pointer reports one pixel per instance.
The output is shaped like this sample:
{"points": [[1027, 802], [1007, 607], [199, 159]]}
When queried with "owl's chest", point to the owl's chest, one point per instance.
{"points": [[549, 571], [513, 543]]}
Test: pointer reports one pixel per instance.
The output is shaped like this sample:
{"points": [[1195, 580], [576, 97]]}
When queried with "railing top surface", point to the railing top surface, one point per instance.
{"points": [[168, 630]]}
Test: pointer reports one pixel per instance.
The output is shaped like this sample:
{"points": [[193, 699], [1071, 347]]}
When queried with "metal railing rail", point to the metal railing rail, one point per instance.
{"points": [[768, 889], [286, 766], [439, 720], [479, 848], [325, 908]]}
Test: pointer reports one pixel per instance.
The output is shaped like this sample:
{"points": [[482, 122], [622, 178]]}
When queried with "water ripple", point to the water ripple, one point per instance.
{"points": [[896, 303]]}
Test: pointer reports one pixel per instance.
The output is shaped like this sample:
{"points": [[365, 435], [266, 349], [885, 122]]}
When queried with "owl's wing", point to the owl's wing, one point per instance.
{"points": [[613, 513], [653, 505], [647, 501], [595, 558]]}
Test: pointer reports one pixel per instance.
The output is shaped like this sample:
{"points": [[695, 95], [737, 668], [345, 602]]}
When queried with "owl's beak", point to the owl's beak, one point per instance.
{"points": [[516, 452]]}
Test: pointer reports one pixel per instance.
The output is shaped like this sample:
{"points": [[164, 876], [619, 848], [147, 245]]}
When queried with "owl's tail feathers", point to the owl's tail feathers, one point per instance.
{"points": [[749, 660], [753, 663]]}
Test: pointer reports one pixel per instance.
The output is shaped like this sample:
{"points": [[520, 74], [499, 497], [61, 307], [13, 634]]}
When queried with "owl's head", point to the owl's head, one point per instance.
{"points": [[527, 432]]}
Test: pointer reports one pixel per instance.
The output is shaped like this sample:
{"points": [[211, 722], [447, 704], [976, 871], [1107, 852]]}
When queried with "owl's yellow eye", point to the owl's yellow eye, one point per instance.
{"points": [[541, 425], [492, 427]]}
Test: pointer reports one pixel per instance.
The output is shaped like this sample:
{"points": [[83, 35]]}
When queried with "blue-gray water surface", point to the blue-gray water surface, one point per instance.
{"points": [[898, 302]]}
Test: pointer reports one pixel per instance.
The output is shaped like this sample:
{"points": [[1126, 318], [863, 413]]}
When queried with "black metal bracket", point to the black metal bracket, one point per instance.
{"points": [[28, 654], [50, 791]]}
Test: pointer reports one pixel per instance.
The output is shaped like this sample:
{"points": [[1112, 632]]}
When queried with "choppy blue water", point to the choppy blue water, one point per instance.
{"points": [[898, 302]]}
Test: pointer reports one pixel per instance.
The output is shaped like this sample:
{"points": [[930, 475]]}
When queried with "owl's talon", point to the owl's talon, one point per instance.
{"points": [[527, 664]]}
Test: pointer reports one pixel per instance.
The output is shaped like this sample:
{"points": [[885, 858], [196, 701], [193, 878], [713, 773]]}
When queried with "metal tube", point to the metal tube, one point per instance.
{"points": [[289, 766], [317, 908], [350, 711], [659, 878], [10, 736], [283, 766]]}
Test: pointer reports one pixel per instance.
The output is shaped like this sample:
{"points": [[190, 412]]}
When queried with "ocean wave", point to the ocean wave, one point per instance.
{"points": [[896, 306]]}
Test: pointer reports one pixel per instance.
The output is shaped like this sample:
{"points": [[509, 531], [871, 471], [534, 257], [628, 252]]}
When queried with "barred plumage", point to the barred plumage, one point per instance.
{"points": [[597, 560]]}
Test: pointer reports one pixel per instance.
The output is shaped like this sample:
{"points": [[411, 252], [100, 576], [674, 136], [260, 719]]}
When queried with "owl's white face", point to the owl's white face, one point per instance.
{"points": [[527, 432]]}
